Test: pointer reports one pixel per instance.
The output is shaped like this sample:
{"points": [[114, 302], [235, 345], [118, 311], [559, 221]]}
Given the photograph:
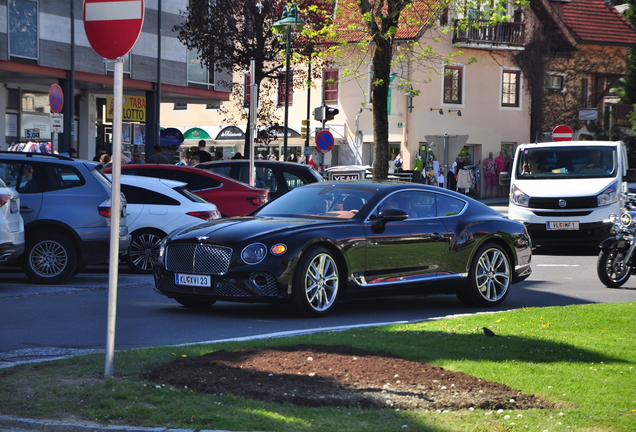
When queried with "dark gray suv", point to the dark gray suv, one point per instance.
{"points": [[65, 204]]}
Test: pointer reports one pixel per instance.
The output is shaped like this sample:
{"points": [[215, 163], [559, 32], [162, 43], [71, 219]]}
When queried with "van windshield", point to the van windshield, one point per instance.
{"points": [[578, 161]]}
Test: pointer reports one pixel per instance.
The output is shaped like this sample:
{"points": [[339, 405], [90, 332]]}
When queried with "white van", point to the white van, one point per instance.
{"points": [[565, 191]]}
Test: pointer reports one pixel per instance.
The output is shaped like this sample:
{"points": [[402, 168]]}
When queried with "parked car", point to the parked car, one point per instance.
{"points": [[231, 197], [156, 207], [66, 207], [277, 177], [344, 239], [11, 224]]}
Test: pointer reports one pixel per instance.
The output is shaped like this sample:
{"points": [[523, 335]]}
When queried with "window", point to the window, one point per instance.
{"points": [[137, 195], [179, 106], [453, 76], [554, 82], [23, 28], [198, 73], [330, 85], [282, 91], [585, 92], [510, 84]]}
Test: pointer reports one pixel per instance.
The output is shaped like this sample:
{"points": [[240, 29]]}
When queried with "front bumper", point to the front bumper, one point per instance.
{"points": [[588, 233]]}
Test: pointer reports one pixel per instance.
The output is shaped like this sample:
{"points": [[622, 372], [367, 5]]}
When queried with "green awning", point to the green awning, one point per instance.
{"points": [[196, 134]]}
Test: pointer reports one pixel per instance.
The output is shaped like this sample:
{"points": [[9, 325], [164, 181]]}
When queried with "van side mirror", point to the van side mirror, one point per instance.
{"points": [[630, 177], [504, 178]]}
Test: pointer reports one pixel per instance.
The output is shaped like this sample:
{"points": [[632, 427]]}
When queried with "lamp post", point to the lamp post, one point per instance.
{"points": [[288, 21]]}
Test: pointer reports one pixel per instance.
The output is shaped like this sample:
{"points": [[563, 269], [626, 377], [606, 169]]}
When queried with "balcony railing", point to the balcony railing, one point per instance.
{"points": [[483, 31]]}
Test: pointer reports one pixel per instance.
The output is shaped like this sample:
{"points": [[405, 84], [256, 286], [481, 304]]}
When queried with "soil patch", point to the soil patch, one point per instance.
{"points": [[341, 376]]}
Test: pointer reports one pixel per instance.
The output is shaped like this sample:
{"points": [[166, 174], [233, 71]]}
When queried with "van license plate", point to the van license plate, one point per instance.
{"points": [[562, 225], [192, 280]]}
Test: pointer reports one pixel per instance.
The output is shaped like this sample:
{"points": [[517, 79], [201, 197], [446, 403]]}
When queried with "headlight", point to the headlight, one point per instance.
{"points": [[628, 219], [254, 253], [162, 249], [613, 218], [518, 197], [608, 196]]}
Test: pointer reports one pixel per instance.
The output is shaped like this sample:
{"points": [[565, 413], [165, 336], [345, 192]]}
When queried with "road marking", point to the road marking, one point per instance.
{"points": [[557, 265]]}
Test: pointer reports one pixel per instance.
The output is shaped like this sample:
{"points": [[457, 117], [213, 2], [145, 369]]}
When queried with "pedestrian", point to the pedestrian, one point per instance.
{"points": [[157, 157], [501, 167], [194, 160], [490, 168], [72, 153], [202, 153], [136, 158]]}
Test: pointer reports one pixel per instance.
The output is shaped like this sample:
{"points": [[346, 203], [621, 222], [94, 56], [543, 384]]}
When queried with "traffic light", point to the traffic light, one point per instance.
{"points": [[304, 130], [330, 113]]}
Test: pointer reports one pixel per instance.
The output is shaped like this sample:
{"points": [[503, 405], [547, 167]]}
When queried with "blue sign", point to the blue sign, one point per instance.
{"points": [[324, 141], [170, 137]]}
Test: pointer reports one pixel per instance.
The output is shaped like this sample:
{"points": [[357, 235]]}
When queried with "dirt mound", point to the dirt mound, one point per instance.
{"points": [[332, 375]]}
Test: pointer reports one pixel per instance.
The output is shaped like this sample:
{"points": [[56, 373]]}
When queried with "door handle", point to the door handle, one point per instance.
{"points": [[26, 209], [437, 236]]}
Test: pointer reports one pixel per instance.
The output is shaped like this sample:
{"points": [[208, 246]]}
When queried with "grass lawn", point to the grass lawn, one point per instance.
{"points": [[582, 358]]}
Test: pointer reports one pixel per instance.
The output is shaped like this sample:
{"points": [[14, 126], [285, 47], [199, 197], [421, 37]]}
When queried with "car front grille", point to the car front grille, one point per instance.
{"points": [[198, 258], [570, 203], [226, 288]]}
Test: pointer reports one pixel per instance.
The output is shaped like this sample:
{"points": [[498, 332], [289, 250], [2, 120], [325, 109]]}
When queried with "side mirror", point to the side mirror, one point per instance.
{"points": [[630, 177], [388, 215], [504, 178]]}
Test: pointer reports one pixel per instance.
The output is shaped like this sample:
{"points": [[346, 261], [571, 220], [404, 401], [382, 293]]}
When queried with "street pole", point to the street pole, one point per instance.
{"points": [[287, 72]]}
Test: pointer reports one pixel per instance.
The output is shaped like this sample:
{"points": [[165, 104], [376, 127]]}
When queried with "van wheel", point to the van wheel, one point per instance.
{"points": [[50, 259]]}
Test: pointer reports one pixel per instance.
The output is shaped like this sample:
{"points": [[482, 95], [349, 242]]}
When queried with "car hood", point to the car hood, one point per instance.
{"points": [[232, 230], [564, 187]]}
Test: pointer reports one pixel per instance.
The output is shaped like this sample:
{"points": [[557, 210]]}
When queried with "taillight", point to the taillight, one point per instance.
{"points": [[4, 199], [205, 215], [104, 211], [258, 201]]}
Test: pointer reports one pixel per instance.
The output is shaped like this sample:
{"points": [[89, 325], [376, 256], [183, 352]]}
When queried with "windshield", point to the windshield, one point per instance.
{"points": [[329, 201], [567, 162]]}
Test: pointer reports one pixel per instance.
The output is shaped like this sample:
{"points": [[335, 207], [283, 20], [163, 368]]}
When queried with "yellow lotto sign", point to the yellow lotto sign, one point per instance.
{"points": [[133, 108]]}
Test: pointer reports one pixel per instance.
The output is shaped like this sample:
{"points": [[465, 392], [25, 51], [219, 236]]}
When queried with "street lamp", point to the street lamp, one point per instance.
{"points": [[288, 21]]}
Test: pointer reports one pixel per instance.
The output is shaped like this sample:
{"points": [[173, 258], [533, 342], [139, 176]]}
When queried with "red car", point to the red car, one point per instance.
{"points": [[231, 197]]}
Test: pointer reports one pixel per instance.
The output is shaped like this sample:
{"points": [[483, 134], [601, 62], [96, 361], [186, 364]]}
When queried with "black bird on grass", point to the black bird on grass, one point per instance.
{"points": [[489, 332]]}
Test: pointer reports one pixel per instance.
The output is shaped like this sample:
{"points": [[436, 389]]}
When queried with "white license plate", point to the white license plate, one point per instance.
{"points": [[192, 280], [562, 225]]}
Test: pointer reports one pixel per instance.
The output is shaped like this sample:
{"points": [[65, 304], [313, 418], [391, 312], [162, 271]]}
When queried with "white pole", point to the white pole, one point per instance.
{"points": [[253, 108], [115, 211]]}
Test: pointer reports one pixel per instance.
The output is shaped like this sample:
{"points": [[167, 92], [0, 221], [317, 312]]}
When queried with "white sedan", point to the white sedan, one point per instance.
{"points": [[156, 207]]}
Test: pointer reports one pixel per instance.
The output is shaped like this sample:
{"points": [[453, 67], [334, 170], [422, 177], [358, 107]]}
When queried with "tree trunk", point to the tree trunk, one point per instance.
{"points": [[380, 94]]}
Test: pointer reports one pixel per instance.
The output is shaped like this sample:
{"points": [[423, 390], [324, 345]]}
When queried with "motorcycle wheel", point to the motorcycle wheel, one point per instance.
{"points": [[611, 270]]}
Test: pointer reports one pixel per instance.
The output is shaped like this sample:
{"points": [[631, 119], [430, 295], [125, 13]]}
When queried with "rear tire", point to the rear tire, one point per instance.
{"points": [[316, 283], [51, 259], [610, 268], [489, 278]]}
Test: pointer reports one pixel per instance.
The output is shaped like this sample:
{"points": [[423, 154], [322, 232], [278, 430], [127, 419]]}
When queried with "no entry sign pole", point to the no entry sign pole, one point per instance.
{"points": [[112, 28]]}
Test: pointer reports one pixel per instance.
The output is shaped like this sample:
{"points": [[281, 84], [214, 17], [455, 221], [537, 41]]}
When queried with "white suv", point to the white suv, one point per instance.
{"points": [[11, 224]]}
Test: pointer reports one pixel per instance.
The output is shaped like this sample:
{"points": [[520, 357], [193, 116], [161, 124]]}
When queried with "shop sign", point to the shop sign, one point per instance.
{"points": [[133, 108]]}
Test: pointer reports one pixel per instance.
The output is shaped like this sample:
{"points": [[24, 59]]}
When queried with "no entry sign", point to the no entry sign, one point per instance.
{"points": [[113, 26], [562, 133]]}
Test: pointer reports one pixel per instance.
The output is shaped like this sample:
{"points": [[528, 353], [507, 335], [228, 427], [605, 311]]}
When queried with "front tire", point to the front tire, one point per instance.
{"points": [[610, 268], [144, 250], [316, 283], [51, 259], [489, 277]]}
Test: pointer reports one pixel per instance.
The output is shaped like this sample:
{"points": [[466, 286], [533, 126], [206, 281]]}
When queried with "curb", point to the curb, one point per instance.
{"points": [[12, 424]]}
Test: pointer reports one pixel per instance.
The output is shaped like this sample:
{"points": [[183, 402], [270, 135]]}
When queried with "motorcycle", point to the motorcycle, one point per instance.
{"points": [[615, 262]]}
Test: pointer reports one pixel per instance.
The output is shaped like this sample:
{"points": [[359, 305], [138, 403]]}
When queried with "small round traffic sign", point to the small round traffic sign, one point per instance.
{"points": [[113, 26], [324, 141], [562, 133], [56, 98]]}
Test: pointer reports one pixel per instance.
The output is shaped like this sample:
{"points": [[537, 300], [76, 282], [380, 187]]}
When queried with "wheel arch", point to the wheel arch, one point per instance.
{"points": [[47, 225], [343, 265]]}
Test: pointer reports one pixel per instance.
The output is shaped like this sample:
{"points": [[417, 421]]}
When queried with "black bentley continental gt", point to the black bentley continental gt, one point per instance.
{"points": [[332, 240]]}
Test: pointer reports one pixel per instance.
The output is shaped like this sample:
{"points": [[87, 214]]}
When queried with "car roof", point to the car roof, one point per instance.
{"points": [[148, 182]]}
